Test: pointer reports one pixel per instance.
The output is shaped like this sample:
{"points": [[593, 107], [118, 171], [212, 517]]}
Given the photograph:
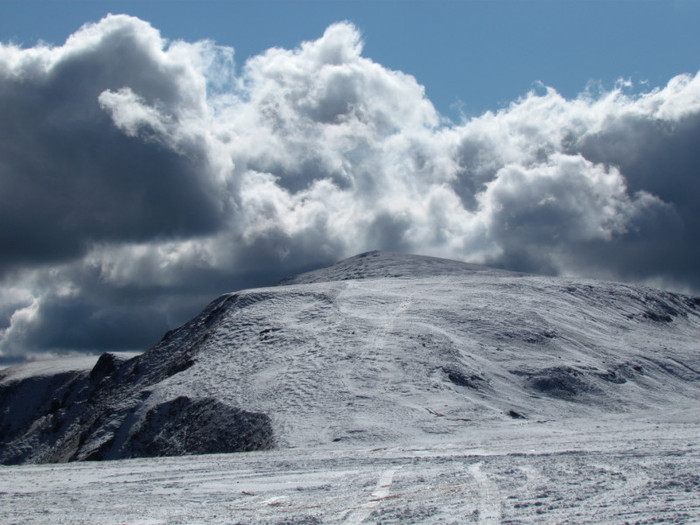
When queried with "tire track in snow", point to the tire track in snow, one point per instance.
{"points": [[371, 365], [628, 488], [489, 497], [388, 326], [381, 491], [372, 358]]}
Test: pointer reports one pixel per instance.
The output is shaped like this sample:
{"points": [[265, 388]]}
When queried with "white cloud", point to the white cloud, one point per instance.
{"points": [[146, 176]]}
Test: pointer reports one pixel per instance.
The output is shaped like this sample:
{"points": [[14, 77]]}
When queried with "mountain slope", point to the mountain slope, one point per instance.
{"points": [[378, 348]]}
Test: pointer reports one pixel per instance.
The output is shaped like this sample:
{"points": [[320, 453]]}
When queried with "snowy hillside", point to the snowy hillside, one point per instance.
{"points": [[379, 349]]}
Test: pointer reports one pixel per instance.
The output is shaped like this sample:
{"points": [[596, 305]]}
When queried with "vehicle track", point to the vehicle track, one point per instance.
{"points": [[489, 504], [381, 491]]}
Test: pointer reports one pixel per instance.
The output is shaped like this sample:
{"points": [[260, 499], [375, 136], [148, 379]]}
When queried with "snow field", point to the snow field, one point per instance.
{"points": [[608, 471]]}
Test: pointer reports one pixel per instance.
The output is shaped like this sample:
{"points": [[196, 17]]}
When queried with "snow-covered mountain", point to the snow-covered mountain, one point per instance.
{"points": [[379, 348]]}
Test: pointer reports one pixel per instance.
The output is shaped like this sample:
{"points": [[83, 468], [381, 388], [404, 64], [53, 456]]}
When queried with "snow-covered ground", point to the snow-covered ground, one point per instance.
{"points": [[52, 367], [641, 469], [47, 367]]}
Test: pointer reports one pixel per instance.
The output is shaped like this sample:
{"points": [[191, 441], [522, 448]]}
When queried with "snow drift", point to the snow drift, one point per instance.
{"points": [[379, 348]]}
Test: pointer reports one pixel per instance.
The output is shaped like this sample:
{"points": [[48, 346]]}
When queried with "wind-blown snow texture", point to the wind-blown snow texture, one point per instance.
{"points": [[378, 349], [614, 471]]}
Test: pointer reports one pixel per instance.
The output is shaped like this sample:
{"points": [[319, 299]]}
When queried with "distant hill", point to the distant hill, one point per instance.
{"points": [[379, 348]]}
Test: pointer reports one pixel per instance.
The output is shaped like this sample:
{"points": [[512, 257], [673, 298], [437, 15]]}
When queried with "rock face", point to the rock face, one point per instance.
{"points": [[379, 348], [203, 426], [29, 414], [80, 415]]}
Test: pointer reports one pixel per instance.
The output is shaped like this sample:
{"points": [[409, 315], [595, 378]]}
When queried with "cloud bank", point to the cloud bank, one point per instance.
{"points": [[140, 177]]}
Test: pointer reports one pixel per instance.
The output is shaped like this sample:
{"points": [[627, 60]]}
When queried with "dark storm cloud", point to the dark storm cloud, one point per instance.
{"points": [[140, 178], [661, 157], [69, 176]]}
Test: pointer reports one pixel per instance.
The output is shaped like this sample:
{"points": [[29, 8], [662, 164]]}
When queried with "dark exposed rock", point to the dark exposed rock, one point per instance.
{"points": [[34, 406], [105, 366], [202, 426], [559, 382], [462, 378]]}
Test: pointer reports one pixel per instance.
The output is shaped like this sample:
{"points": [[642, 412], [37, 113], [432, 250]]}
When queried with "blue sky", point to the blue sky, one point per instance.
{"points": [[473, 55]]}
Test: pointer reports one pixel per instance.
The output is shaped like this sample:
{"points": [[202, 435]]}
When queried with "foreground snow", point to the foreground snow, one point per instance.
{"points": [[642, 469]]}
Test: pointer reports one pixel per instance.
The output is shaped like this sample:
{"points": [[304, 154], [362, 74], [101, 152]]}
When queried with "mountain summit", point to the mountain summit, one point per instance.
{"points": [[379, 348]]}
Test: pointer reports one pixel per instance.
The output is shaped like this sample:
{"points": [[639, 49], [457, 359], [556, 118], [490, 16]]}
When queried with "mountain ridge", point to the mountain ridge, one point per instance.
{"points": [[378, 348], [378, 264]]}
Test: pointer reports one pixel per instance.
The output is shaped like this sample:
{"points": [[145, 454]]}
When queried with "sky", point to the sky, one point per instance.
{"points": [[154, 155]]}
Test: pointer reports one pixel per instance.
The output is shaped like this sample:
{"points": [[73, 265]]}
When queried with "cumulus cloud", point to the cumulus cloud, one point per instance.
{"points": [[141, 177], [94, 147]]}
